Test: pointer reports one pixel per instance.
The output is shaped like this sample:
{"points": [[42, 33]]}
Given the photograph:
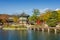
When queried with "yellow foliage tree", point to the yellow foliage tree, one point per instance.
{"points": [[15, 18], [45, 16], [58, 11]]}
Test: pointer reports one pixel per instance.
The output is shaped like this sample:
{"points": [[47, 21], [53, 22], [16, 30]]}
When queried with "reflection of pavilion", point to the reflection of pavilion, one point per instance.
{"points": [[23, 19]]}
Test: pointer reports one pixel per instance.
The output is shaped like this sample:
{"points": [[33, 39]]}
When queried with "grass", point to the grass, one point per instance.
{"points": [[10, 26], [14, 27]]}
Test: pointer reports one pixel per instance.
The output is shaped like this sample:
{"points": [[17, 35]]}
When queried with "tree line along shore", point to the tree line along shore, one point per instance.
{"points": [[50, 18]]}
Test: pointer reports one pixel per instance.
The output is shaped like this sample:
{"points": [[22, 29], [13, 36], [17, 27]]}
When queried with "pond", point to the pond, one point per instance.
{"points": [[27, 35]]}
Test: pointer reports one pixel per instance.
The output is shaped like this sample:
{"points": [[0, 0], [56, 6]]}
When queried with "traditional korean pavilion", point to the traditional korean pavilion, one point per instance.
{"points": [[23, 18]]}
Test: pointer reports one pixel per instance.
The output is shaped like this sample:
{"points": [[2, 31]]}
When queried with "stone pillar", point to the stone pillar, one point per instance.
{"points": [[34, 29], [42, 29], [38, 29], [48, 30], [55, 31]]}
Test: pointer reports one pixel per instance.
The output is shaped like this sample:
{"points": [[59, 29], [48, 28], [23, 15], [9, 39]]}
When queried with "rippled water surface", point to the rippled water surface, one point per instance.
{"points": [[27, 35]]}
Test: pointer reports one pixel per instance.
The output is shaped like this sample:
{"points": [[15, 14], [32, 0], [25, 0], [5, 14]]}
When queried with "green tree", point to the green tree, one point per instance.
{"points": [[36, 12], [35, 15], [58, 11], [52, 21]]}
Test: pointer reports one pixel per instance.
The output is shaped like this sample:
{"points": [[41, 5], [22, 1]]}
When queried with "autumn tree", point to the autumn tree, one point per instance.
{"points": [[45, 16], [15, 18]]}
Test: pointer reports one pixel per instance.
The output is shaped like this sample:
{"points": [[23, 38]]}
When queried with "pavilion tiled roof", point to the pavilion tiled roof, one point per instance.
{"points": [[23, 15]]}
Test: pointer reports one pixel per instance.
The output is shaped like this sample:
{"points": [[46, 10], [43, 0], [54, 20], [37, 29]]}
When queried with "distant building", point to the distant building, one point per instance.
{"points": [[10, 19], [23, 19]]}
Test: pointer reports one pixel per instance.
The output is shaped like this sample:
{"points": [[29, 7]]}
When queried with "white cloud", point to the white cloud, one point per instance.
{"points": [[43, 10], [57, 9]]}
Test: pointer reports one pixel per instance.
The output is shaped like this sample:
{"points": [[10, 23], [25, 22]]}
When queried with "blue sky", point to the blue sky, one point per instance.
{"points": [[18, 6]]}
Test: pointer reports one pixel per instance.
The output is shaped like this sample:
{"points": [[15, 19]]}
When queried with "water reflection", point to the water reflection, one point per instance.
{"points": [[13, 35], [27, 35], [3, 35]]}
